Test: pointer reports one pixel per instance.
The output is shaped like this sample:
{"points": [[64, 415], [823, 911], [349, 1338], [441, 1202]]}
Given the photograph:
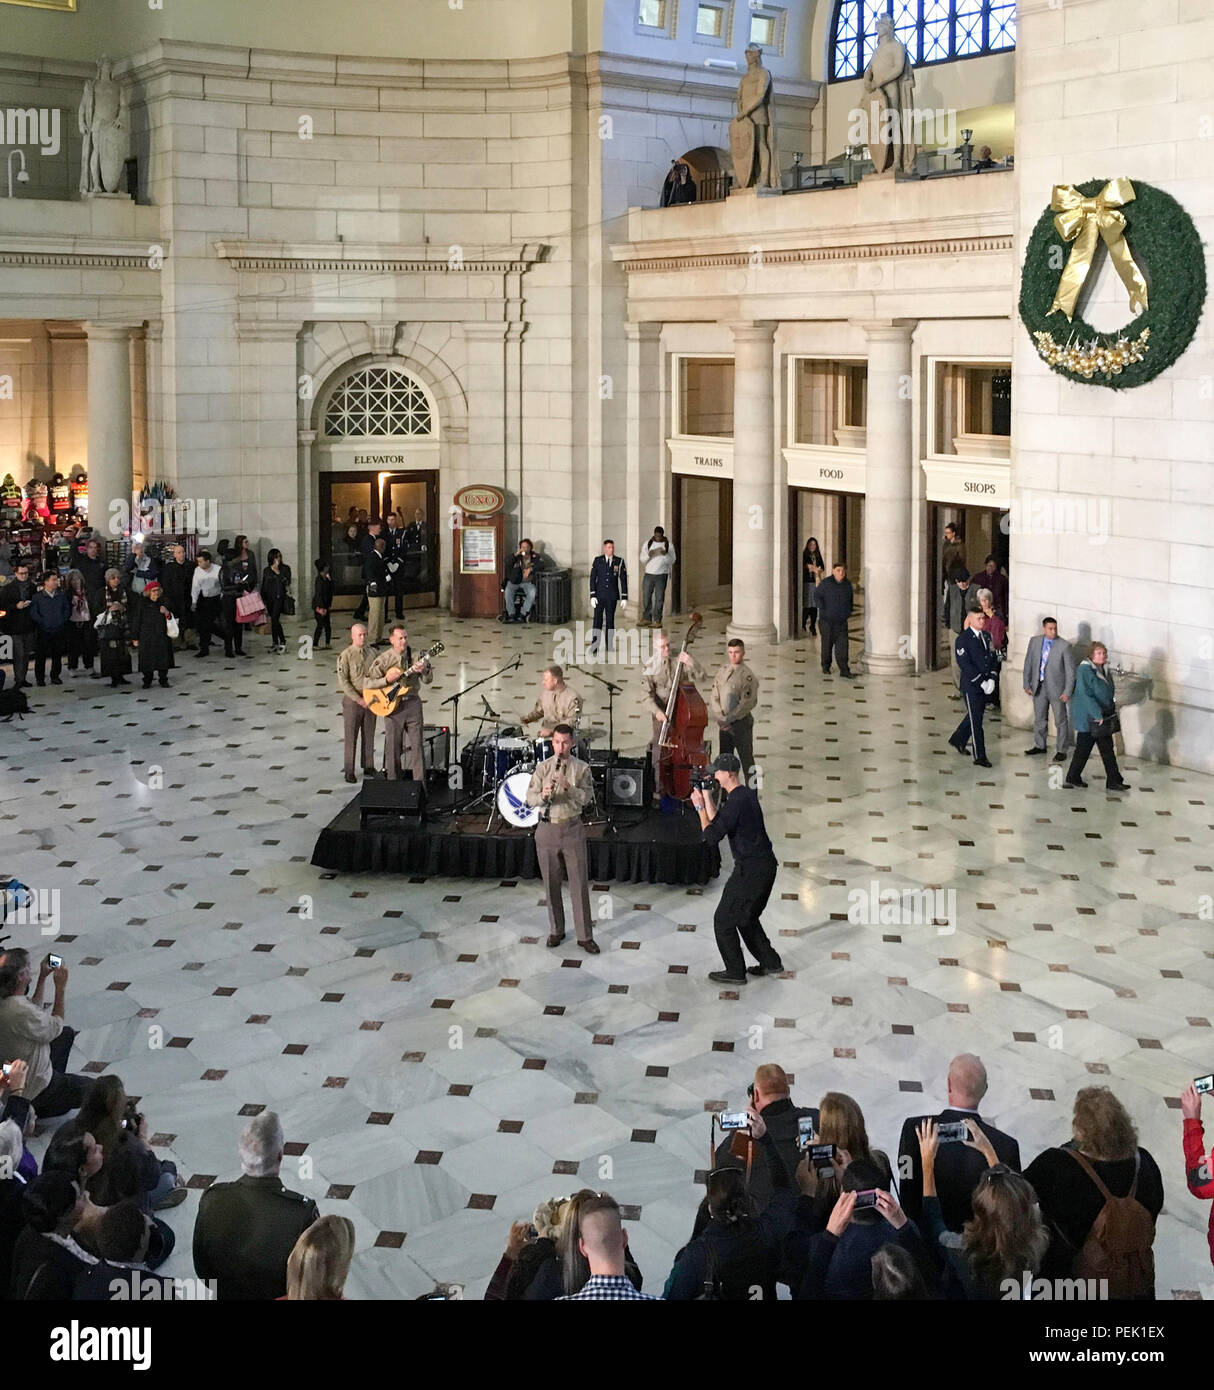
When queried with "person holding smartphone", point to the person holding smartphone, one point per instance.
{"points": [[1198, 1165], [40, 1039]]}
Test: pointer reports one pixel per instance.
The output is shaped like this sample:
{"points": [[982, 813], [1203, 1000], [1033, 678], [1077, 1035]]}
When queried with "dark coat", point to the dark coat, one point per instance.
{"points": [[177, 580], [274, 588], [781, 1118], [93, 573], [55, 1268], [322, 592], [375, 572], [835, 599], [18, 621], [149, 627], [958, 1168], [245, 1231], [238, 576], [609, 579], [50, 612], [113, 639]]}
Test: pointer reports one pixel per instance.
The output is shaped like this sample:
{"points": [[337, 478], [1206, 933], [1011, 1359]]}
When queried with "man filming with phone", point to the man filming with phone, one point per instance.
{"points": [[41, 1040], [754, 873]]}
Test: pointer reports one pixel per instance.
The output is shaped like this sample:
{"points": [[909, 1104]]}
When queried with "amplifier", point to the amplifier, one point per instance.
{"points": [[629, 782], [400, 798]]}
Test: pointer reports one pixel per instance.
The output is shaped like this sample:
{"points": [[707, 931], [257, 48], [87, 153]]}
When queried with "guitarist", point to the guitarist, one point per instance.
{"points": [[406, 720]]}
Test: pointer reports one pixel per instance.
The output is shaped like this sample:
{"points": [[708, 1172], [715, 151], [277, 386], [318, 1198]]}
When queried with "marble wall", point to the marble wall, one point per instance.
{"points": [[1105, 88]]}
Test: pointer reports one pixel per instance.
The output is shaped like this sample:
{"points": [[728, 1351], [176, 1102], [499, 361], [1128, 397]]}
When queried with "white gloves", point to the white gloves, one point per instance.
{"points": [[594, 603], [988, 687], [623, 603]]}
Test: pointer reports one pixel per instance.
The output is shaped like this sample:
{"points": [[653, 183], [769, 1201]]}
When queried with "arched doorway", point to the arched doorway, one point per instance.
{"points": [[377, 454], [711, 172]]}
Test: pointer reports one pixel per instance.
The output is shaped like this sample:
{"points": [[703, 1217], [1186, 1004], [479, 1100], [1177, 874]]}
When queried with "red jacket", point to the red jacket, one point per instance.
{"points": [[1199, 1169]]}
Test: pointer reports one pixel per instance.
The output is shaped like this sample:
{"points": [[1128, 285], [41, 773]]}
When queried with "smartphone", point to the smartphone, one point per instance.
{"points": [[55, 962], [867, 1198], [1203, 1085], [805, 1131], [733, 1119], [822, 1156], [953, 1132], [6, 1068]]}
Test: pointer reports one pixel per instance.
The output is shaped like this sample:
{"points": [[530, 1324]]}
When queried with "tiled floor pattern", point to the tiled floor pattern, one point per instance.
{"points": [[438, 1070]]}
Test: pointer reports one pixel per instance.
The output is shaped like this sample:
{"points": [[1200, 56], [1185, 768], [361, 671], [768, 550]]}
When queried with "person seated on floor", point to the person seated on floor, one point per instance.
{"points": [[528, 1245], [115, 1123], [124, 1237], [40, 1039], [958, 1165], [12, 1188], [318, 1265], [47, 1261], [568, 1269], [245, 1230]]}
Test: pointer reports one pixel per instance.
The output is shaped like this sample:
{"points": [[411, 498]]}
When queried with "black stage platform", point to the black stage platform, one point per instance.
{"points": [[649, 849]]}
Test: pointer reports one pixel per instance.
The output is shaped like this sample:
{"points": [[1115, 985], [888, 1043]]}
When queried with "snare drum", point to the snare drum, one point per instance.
{"points": [[544, 750], [512, 801], [500, 755]]}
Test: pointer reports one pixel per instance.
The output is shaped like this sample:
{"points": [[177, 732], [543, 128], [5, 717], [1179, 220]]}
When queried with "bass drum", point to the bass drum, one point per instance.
{"points": [[512, 801], [544, 750]]}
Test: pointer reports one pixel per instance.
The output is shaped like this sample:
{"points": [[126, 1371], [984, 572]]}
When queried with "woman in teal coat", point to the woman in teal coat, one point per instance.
{"points": [[1091, 703]]}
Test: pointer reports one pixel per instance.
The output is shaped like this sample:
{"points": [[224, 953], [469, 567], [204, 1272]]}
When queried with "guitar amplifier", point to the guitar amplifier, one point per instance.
{"points": [[436, 750], [402, 799], [629, 782]]}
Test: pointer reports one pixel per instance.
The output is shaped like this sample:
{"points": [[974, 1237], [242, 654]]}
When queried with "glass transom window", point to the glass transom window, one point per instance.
{"points": [[934, 31], [378, 401]]}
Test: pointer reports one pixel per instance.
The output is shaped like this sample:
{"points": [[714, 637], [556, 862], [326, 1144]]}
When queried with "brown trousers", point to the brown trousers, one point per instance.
{"points": [[355, 720], [561, 850], [405, 724]]}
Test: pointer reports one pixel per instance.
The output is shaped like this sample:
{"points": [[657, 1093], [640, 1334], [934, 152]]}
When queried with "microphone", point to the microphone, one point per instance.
{"points": [[489, 710]]}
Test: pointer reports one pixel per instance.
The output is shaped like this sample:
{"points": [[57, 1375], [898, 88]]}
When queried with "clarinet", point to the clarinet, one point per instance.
{"points": [[546, 809]]}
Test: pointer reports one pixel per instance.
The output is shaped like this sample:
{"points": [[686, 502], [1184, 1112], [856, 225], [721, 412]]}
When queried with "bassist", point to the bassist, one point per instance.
{"points": [[405, 722]]}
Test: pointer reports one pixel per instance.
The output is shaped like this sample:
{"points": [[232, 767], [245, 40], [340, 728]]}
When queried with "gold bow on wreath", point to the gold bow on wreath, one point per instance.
{"points": [[1082, 220]]}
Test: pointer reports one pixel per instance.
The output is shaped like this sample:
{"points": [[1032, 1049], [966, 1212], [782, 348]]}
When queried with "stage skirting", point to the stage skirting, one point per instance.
{"points": [[658, 849]]}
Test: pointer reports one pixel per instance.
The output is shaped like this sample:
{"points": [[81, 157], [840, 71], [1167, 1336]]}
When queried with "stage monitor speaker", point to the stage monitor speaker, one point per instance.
{"points": [[399, 798], [436, 751], [630, 783]]}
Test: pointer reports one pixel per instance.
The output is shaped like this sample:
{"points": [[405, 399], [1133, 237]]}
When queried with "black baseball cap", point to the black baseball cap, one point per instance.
{"points": [[726, 762]]}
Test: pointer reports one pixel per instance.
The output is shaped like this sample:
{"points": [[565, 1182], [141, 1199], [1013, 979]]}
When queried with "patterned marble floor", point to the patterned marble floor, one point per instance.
{"points": [[438, 1070]]}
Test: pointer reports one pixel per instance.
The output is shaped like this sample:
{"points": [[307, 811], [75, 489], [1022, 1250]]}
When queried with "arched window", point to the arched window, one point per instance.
{"points": [[378, 401], [934, 31]]}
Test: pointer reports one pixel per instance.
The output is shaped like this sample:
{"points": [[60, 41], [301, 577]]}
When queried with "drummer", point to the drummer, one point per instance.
{"points": [[557, 703]]}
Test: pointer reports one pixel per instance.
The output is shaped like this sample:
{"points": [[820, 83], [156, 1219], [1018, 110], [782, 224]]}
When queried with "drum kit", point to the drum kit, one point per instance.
{"points": [[498, 764]]}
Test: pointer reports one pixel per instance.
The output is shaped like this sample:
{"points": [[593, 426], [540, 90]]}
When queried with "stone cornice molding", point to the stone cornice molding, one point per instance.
{"points": [[313, 257], [76, 252], [611, 71], [800, 255], [268, 330]]}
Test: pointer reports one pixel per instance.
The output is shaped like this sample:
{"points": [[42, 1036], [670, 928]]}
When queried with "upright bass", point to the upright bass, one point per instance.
{"points": [[681, 745]]}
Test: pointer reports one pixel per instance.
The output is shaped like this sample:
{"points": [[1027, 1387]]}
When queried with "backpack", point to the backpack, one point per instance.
{"points": [[13, 702], [1118, 1246]]}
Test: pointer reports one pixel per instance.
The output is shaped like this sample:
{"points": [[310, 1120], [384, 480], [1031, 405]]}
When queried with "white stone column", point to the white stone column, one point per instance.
{"points": [[111, 440], [154, 348], [887, 502], [648, 472], [754, 540]]}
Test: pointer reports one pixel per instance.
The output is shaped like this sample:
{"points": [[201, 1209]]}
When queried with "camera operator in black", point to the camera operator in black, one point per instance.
{"points": [[754, 874]]}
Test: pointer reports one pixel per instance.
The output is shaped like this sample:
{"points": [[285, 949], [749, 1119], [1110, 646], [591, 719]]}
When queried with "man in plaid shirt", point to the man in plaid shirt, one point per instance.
{"points": [[603, 1242]]}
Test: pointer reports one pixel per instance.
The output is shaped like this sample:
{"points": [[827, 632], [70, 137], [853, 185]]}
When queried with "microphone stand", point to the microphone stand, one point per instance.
{"points": [[612, 691], [453, 701]]}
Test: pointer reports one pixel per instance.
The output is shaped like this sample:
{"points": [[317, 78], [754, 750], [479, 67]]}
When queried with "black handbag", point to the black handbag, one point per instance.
{"points": [[1110, 724], [288, 606]]}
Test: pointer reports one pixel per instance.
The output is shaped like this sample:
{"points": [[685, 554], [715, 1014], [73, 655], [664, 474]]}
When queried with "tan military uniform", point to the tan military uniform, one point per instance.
{"points": [[353, 666], [559, 706], [406, 722], [735, 693], [656, 679], [560, 844]]}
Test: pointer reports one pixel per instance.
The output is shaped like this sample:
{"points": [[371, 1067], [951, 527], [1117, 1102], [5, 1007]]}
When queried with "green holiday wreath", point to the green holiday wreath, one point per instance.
{"points": [[1160, 259]]}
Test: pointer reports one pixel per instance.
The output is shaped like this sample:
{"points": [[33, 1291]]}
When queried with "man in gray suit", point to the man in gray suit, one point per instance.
{"points": [[1049, 677]]}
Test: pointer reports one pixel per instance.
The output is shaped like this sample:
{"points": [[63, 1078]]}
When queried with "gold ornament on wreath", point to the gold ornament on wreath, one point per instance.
{"points": [[1158, 256]]}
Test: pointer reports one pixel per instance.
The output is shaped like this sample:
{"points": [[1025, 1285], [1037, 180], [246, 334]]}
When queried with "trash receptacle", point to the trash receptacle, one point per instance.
{"points": [[554, 596]]}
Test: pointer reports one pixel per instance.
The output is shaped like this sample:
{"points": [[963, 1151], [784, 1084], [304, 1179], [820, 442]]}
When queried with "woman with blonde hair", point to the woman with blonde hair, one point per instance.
{"points": [[1101, 1164], [1005, 1238], [320, 1261], [841, 1123], [528, 1246], [567, 1270]]}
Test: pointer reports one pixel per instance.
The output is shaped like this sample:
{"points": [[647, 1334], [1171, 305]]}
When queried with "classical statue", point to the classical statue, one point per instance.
{"points": [[103, 130], [890, 82], [752, 133]]}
